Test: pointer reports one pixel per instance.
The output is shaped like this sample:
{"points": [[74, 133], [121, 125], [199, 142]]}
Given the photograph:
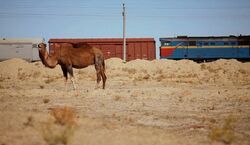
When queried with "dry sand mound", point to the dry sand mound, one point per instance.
{"points": [[186, 71], [220, 71], [23, 70]]}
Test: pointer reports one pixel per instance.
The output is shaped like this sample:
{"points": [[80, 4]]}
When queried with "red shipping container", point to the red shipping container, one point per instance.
{"points": [[137, 48]]}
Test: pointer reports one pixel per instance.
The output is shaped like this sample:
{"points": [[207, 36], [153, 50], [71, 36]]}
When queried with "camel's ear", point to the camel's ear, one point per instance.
{"points": [[45, 45]]}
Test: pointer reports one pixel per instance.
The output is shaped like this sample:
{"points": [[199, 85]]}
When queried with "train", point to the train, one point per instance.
{"points": [[205, 48], [180, 47]]}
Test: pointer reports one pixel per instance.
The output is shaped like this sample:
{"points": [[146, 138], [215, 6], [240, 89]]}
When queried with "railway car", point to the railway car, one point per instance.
{"points": [[205, 48], [137, 48], [25, 48]]}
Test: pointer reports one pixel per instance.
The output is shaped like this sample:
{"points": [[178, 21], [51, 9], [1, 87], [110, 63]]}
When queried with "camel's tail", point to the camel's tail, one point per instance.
{"points": [[100, 62]]}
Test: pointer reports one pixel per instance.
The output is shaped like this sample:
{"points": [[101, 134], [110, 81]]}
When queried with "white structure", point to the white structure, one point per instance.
{"points": [[25, 48]]}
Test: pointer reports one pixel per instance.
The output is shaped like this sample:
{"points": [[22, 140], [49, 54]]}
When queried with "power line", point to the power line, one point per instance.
{"points": [[129, 16], [60, 15], [130, 7]]}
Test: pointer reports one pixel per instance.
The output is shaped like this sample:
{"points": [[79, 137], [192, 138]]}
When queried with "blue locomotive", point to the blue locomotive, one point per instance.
{"points": [[206, 48]]}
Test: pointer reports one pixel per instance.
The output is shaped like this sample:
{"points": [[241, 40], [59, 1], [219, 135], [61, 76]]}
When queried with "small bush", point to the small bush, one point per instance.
{"points": [[146, 77], [61, 128], [29, 122], [55, 134], [117, 98], [225, 133], [63, 116], [46, 100]]}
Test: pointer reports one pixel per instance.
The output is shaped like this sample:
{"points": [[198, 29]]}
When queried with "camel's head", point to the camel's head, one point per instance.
{"points": [[42, 46]]}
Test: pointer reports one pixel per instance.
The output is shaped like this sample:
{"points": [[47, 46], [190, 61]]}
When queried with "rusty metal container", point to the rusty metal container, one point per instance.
{"points": [[137, 48]]}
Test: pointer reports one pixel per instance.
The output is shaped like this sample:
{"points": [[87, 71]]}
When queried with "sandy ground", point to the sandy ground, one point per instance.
{"points": [[144, 103]]}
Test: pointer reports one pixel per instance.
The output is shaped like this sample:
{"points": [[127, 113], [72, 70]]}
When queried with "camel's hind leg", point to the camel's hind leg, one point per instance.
{"points": [[104, 78], [98, 76], [70, 71], [100, 70]]}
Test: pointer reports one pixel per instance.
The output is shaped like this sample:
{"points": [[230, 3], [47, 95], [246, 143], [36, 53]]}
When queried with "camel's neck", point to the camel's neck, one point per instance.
{"points": [[48, 61]]}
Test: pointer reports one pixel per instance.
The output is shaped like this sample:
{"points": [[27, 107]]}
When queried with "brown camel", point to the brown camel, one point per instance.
{"points": [[69, 57]]}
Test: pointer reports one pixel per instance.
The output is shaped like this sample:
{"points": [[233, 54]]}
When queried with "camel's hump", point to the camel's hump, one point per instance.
{"points": [[81, 45]]}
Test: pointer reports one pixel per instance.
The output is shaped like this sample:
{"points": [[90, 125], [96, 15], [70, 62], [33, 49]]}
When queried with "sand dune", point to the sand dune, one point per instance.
{"points": [[220, 71]]}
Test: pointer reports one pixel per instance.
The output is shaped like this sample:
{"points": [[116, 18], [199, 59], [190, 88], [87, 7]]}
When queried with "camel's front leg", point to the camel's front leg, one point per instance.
{"points": [[70, 70], [73, 82], [65, 74]]}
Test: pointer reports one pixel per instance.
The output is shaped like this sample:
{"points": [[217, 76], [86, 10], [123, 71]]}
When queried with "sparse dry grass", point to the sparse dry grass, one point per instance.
{"points": [[142, 77], [129, 70], [36, 74], [160, 77], [213, 70], [242, 71], [139, 78], [159, 71], [49, 80], [203, 66], [2, 78], [135, 94], [92, 77], [21, 75]]}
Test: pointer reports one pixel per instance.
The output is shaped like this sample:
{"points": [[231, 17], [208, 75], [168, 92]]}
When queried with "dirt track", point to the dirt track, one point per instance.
{"points": [[145, 102]]}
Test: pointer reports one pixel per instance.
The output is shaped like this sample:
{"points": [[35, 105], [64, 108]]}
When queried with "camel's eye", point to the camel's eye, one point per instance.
{"points": [[40, 45]]}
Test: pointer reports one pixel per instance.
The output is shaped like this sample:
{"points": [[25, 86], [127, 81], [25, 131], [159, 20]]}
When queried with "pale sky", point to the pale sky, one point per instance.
{"points": [[103, 19]]}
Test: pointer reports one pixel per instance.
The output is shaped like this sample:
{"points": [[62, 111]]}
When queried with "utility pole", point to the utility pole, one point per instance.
{"points": [[124, 32]]}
